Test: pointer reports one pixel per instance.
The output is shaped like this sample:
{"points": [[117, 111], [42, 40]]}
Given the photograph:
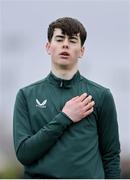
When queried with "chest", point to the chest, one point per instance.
{"points": [[44, 105]]}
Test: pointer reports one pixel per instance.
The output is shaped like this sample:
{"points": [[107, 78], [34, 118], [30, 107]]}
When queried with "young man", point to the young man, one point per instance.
{"points": [[65, 126]]}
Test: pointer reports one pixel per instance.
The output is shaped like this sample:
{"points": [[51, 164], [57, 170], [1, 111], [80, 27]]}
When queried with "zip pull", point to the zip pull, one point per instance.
{"points": [[61, 84]]}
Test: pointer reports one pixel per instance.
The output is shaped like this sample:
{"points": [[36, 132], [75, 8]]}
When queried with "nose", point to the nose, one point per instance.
{"points": [[66, 43]]}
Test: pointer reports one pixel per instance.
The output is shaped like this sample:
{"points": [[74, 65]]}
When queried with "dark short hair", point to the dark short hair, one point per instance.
{"points": [[69, 26]]}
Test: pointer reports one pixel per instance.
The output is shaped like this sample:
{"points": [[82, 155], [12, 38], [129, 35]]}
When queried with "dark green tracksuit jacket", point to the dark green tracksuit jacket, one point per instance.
{"points": [[50, 145]]}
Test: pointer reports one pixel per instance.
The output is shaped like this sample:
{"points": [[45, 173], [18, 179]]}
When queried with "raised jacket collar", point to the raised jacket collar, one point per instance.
{"points": [[62, 83]]}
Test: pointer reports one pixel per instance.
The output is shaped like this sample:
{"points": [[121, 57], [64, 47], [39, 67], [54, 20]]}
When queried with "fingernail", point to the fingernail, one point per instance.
{"points": [[85, 94]]}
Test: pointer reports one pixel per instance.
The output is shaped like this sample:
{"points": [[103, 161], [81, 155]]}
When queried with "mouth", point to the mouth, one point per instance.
{"points": [[64, 54]]}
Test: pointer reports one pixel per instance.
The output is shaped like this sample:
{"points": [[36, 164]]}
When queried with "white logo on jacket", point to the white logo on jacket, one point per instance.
{"points": [[41, 105]]}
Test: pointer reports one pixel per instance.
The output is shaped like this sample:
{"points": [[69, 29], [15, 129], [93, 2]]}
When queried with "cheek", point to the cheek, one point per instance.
{"points": [[76, 53], [53, 50]]}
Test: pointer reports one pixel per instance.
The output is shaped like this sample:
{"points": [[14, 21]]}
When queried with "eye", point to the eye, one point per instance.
{"points": [[59, 40], [72, 41]]}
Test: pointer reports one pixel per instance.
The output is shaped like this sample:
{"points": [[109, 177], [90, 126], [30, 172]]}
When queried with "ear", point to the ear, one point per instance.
{"points": [[48, 48], [82, 52]]}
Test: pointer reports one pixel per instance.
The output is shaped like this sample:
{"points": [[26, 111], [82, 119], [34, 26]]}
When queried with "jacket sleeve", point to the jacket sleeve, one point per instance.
{"points": [[109, 136], [31, 147]]}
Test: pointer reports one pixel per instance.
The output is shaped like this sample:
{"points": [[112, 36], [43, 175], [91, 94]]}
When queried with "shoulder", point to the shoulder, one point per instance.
{"points": [[35, 84], [33, 87], [99, 92], [93, 86]]}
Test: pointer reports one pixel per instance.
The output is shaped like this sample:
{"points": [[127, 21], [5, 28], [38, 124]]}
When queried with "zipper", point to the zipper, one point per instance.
{"points": [[61, 84]]}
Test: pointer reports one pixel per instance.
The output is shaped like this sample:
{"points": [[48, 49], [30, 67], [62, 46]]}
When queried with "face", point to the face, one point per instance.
{"points": [[64, 50]]}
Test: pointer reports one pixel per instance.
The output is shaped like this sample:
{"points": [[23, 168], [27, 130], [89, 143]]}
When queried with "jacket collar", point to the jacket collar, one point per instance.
{"points": [[61, 83]]}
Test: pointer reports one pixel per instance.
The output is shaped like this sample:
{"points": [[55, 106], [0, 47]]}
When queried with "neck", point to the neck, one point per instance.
{"points": [[64, 73]]}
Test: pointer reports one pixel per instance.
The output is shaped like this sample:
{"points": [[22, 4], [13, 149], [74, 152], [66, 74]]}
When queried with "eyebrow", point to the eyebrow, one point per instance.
{"points": [[59, 36], [70, 37]]}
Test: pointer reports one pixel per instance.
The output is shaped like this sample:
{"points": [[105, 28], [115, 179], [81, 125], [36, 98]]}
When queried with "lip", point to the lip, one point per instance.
{"points": [[64, 54]]}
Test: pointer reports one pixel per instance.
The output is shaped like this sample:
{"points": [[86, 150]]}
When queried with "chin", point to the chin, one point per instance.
{"points": [[64, 63]]}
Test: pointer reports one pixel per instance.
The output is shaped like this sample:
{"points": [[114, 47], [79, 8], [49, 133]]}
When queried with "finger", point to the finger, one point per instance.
{"points": [[88, 112], [87, 100], [82, 97], [89, 106]]}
